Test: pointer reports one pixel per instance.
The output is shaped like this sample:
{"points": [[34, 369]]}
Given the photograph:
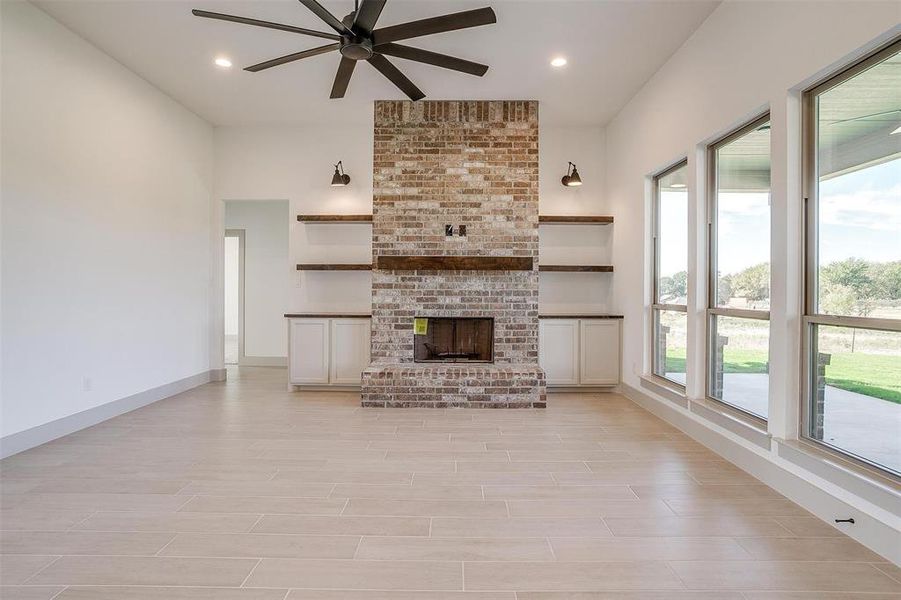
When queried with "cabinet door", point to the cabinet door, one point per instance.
{"points": [[308, 350], [558, 350], [600, 351], [350, 350]]}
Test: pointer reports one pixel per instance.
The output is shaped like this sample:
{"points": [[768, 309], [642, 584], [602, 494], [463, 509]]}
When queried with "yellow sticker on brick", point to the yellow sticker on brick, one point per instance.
{"points": [[420, 326]]}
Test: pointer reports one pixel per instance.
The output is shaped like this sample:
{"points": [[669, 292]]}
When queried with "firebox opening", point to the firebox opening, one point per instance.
{"points": [[452, 339]]}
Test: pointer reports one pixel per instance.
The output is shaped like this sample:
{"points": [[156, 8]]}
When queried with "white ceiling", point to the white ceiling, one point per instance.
{"points": [[613, 47]]}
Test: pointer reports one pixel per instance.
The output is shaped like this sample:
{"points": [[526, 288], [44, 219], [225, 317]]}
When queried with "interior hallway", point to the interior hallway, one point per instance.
{"points": [[308, 496]]}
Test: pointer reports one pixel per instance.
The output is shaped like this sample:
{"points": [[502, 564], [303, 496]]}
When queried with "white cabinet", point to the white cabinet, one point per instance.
{"points": [[558, 350], [308, 351], [350, 350], [580, 352], [327, 351], [599, 350]]}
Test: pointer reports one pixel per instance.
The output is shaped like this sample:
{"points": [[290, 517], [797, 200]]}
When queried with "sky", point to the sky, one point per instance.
{"points": [[860, 216]]}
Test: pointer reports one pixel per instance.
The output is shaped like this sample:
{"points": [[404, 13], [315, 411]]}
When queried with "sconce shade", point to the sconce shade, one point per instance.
{"points": [[340, 177], [571, 179]]}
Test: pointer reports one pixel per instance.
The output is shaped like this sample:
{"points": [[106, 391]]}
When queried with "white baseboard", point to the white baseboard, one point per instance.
{"points": [[30, 438], [581, 389], [292, 387], [873, 526], [263, 361]]}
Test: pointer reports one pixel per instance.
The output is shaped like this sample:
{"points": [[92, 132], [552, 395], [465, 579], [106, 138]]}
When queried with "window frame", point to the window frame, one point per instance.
{"points": [[811, 317], [656, 306], [712, 310]]}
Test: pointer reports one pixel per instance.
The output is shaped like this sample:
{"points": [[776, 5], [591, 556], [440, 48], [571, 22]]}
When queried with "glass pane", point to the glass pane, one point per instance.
{"points": [[856, 392], [670, 329], [739, 363], [859, 199], [742, 260], [672, 237]]}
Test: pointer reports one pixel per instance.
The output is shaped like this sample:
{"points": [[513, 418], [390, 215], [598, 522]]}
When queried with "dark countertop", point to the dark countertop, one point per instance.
{"points": [[368, 315]]}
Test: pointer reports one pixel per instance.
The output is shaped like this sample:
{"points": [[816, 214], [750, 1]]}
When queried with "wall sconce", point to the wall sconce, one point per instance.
{"points": [[571, 178], [340, 177]]}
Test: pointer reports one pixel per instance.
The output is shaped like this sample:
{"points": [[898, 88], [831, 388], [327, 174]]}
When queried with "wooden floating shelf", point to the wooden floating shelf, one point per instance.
{"points": [[455, 263], [577, 268], [334, 267], [334, 218], [575, 220]]}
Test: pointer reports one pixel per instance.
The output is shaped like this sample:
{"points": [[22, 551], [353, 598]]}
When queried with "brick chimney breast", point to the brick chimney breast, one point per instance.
{"points": [[472, 163]]}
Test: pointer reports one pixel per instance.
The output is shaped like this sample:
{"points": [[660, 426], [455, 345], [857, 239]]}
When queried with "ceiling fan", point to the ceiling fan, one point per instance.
{"points": [[356, 38]]}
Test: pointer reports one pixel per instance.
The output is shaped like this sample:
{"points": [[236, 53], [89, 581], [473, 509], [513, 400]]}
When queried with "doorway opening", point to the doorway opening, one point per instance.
{"points": [[233, 262]]}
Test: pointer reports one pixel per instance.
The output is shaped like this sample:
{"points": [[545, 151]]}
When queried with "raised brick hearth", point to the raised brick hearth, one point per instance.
{"points": [[455, 163], [449, 386]]}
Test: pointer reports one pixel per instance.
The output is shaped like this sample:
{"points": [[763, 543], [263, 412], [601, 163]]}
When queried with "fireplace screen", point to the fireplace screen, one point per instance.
{"points": [[445, 339]]}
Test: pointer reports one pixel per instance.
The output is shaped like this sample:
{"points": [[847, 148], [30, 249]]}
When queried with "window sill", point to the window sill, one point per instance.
{"points": [[664, 388], [882, 489], [745, 426]]}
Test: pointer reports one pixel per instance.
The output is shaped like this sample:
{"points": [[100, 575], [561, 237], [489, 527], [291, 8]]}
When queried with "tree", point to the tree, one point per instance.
{"points": [[887, 278], [850, 276], [838, 299], [674, 288], [753, 283], [853, 286], [724, 290]]}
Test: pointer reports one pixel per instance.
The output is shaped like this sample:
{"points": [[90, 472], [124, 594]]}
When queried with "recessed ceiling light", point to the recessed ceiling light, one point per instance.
{"points": [[558, 62], [223, 62], [678, 185]]}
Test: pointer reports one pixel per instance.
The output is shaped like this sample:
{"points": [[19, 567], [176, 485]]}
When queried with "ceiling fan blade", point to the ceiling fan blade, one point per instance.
{"points": [[432, 58], [268, 24], [367, 15], [292, 57], [460, 20], [342, 77], [397, 78], [326, 16]]}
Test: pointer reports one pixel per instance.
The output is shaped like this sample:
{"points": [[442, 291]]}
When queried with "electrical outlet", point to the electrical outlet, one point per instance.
{"points": [[461, 230]]}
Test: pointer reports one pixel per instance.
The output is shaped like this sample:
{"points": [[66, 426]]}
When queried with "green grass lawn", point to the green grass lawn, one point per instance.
{"points": [[875, 375]]}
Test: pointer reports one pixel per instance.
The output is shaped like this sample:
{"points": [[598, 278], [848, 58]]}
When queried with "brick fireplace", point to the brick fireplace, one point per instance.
{"points": [[438, 164]]}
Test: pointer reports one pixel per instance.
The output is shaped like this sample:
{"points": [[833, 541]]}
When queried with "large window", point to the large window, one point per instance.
{"points": [[853, 284], [739, 281], [669, 308]]}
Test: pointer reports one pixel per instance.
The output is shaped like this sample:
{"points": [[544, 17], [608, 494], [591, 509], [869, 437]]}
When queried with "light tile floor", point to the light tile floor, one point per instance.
{"points": [[243, 491]]}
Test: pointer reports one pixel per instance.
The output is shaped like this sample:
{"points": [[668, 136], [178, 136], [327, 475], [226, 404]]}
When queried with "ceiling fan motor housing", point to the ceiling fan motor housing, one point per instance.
{"points": [[355, 47]]}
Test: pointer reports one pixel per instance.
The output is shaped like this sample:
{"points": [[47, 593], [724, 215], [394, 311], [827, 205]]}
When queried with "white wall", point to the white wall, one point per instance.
{"points": [[296, 163], [105, 256], [747, 57], [568, 293], [266, 273], [232, 282]]}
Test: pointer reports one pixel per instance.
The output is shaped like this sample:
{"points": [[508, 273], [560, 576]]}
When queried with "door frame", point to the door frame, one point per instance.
{"points": [[237, 233]]}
